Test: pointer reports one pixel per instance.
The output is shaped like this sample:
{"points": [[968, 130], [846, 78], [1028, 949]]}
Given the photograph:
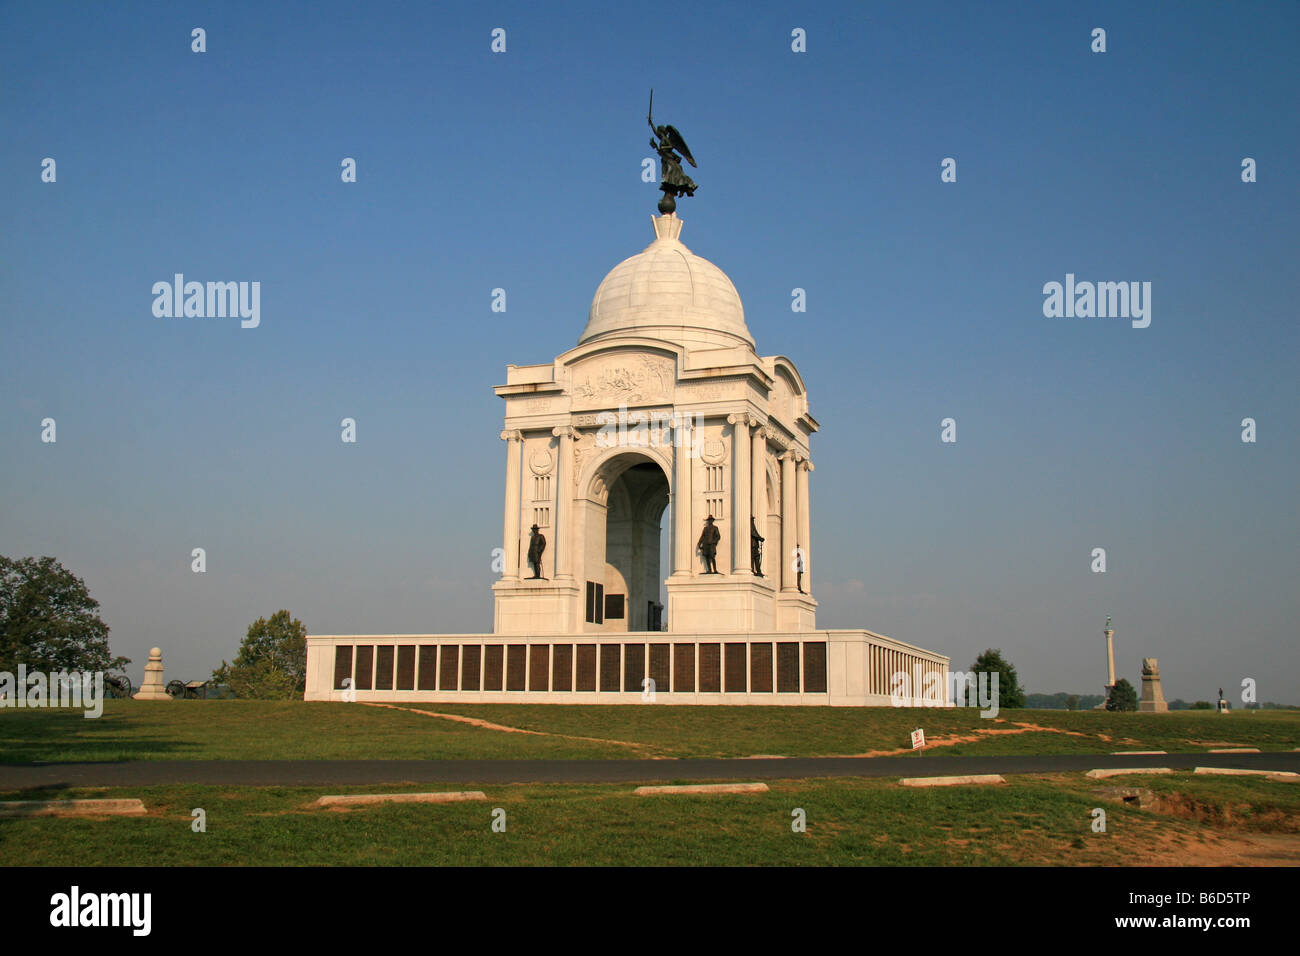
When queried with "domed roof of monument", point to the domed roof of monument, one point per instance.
{"points": [[670, 292]]}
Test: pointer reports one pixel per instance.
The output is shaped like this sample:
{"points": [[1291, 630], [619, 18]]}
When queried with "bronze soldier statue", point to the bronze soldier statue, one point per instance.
{"points": [[708, 545], [536, 545], [755, 548]]}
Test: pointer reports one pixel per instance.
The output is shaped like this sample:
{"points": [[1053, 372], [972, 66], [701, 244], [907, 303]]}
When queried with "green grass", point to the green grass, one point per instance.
{"points": [[259, 730], [1030, 821], [817, 731], [262, 730]]}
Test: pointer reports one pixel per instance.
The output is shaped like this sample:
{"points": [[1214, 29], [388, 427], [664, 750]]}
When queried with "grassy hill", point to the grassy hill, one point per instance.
{"points": [[137, 730]]}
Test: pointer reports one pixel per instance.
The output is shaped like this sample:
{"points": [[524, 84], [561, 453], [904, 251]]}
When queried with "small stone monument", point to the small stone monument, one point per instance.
{"points": [[1223, 702], [1153, 698], [153, 689]]}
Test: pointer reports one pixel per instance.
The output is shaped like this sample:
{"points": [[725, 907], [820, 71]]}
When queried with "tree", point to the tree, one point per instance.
{"points": [[1010, 693], [1122, 696], [49, 621], [1072, 702], [272, 660]]}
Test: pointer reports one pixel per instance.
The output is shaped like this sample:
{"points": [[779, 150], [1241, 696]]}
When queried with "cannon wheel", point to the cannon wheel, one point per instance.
{"points": [[119, 685], [176, 688]]}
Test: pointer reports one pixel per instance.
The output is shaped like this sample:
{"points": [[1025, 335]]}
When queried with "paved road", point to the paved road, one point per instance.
{"points": [[359, 772]]}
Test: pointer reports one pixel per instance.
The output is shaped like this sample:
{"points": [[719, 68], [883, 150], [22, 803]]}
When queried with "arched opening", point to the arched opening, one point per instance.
{"points": [[626, 545], [634, 549]]}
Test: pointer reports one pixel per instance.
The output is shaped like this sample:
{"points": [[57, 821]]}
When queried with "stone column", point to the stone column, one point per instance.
{"points": [[758, 484], [681, 498], [740, 477], [1110, 657], [789, 521], [565, 489], [514, 440], [805, 521]]}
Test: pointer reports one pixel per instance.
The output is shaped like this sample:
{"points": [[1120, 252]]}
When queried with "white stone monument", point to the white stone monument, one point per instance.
{"points": [[663, 411], [1153, 697], [663, 414], [152, 688], [1109, 633]]}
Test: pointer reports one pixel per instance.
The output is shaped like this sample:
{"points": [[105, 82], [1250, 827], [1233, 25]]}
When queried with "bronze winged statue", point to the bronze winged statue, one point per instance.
{"points": [[673, 182]]}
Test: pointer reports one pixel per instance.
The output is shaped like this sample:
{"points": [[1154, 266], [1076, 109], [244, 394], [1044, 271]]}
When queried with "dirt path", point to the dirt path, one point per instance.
{"points": [[1213, 849], [952, 740], [488, 725]]}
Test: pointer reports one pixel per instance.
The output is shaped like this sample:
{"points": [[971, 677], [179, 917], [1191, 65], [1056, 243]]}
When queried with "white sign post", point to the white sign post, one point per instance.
{"points": [[918, 740]]}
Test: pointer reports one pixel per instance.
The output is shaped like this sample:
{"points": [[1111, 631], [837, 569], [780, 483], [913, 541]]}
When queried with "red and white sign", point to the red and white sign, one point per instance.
{"points": [[918, 739]]}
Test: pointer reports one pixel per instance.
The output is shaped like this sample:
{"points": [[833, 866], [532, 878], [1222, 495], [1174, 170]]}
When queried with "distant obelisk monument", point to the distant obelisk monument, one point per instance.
{"points": [[1110, 657]]}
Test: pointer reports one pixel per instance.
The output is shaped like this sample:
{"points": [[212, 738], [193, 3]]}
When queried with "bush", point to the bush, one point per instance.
{"points": [[1122, 696], [1010, 693], [272, 660]]}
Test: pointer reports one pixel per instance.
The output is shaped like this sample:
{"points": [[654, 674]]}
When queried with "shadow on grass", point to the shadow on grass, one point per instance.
{"points": [[47, 736]]}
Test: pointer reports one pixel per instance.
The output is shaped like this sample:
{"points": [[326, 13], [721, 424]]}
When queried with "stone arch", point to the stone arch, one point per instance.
{"points": [[608, 465], [625, 498]]}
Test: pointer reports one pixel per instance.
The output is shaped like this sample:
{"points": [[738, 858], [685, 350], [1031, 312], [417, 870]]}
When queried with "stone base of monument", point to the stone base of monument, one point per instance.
{"points": [[846, 668]]}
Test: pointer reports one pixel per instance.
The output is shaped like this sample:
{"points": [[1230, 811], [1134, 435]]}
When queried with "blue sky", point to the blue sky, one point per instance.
{"points": [[521, 170]]}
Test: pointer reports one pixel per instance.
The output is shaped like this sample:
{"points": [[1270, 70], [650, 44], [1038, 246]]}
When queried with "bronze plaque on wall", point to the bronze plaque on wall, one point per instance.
{"points": [[734, 655], [562, 667], [787, 668], [365, 666], [342, 664], [633, 667], [684, 668], [539, 666], [659, 667], [469, 667], [494, 657], [814, 667], [760, 668], [710, 668], [428, 676], [384, 667], [609, 675], [406, 667], [586, 667], [448, 668], [516, 666]]}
